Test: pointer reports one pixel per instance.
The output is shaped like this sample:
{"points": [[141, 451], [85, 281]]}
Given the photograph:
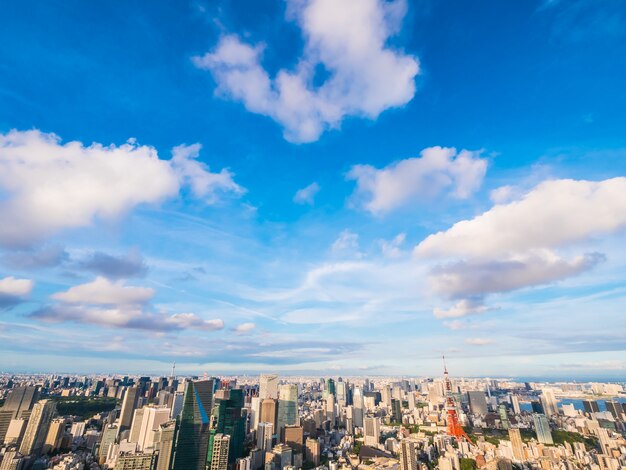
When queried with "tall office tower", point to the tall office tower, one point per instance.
{"points": [[129, 404], [37, 429], [11, 461], [152, 418], [313, 451], [386, 395], [342, 393], [542, 428], [330, 387], [5, 420], [221, 445], [269, 411], [549, 403], [477, 402], [55, 435], [268, 386], [606, 443], [371, 431], [136, 425], [164, 444], [264, 435], [255, 412], [408, 455], [516, 443], [515, 404], [591, 406], [357, 414], [504, 418], [135, 462], [227, 419], [411, 401], [330, 409], [192, 440], [396, 410], [294, 438], [20, 400], [287, 407], [176, 404], [614, 408], [109, 436]]}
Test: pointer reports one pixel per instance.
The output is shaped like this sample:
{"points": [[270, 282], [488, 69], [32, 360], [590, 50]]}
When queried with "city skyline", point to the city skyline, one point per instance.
{"points": [[314, 188]]}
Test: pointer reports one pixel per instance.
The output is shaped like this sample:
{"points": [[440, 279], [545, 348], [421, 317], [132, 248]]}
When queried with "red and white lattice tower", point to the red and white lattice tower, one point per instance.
{"points": [[454, 427]]}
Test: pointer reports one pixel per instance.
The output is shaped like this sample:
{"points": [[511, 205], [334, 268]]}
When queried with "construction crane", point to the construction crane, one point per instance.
{"points": [[454, 427]]}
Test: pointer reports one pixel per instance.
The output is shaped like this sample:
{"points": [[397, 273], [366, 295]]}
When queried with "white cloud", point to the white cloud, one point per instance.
{"points": [[462, 308], [514, 245], [347, 243], [553, 214], [13, 291], [198, 177], [416, 180], [244, 328], [349, 40], [393, 248], [11, 286], [479, 341], [306, 195], [105, 292], [48, 186], [471, 278]]}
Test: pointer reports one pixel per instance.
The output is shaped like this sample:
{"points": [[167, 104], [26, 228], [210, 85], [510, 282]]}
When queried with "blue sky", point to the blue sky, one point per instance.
{"points": [[313, 186]]}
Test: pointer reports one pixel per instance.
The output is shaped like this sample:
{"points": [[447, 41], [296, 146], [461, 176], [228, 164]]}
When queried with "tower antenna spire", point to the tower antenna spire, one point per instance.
{"points": [[454, 427]]}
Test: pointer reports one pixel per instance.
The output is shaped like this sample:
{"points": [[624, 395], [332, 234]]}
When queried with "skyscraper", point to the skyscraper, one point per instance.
{"points": [[164, 444], [192, 441], [372, 431], [287, 407], [548, 402], [408, 455], [269, 411], [516, 443], [109, 435], [396, 410], [591, 406], [477, 402], [542, 428], [129, 404], [268, 386], [227, 419], [37, 428], [515, 404], [264, 433]]}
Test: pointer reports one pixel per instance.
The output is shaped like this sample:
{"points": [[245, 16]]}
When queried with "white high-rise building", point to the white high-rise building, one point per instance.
{"points": [[264, 435], [357, 414], [152, 418], [268, 386], [371, 431], [515, 404]]}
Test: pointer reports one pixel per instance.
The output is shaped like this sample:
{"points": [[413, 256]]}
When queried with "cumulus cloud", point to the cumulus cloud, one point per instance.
{"points": [[348, 39], [113, 304], [106, 292], [515, 244], [244, 328], [477, 277], [416, 180], [48, 186], [306, 195], [13, 291], [131, 264], [553, 214]]}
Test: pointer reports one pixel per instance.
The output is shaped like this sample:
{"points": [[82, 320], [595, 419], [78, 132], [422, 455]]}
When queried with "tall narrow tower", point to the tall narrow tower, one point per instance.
{"points": [[454, 427]]}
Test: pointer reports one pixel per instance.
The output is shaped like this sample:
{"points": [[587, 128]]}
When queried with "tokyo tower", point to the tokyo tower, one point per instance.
{"points": [[454, 427]]}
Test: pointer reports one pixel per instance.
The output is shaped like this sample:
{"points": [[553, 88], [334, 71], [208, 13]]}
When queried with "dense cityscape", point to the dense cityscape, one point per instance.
{"points": [[269, 422]]}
